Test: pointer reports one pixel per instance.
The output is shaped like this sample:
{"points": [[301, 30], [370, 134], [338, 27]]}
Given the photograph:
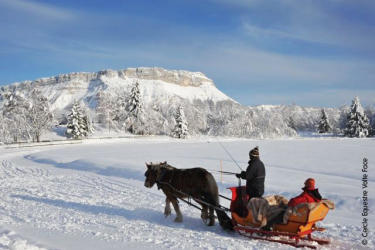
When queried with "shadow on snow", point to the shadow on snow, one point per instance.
{"points": [[87, 166], [142, 214]]}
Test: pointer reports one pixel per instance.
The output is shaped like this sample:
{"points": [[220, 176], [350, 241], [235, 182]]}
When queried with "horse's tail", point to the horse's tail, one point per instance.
{"points": [[224, 220], [213, 198]]}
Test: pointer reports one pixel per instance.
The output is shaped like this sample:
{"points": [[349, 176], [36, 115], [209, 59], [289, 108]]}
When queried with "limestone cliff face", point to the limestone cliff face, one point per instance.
{"points": [[155, 83], [179, 77]]}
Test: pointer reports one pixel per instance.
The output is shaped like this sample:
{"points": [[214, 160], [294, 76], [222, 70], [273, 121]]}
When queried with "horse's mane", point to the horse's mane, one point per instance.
{"points": [[167, 166], [163, 165]]}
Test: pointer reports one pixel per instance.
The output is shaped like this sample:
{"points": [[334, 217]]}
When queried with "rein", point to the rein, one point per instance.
{"points": [[219, 207]]}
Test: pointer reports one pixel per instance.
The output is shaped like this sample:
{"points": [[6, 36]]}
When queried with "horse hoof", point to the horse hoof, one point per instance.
{"points": [[167, 213], [204, 216], [205, 221], [178, 219], [211, 222]]}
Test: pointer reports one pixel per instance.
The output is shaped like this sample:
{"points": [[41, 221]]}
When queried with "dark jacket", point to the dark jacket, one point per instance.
{"points": [[254, 175]]}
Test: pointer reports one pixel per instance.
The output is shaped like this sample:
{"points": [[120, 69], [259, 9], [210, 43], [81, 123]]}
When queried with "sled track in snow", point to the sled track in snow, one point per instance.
{"points": [[74, 193], [10, 170]]}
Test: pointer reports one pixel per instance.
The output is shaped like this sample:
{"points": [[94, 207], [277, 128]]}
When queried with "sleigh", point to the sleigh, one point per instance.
{"points": [[297, 231]]}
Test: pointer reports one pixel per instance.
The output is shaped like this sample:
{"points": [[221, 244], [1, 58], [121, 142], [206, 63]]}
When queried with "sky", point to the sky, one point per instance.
{"points": [[306, 52]]}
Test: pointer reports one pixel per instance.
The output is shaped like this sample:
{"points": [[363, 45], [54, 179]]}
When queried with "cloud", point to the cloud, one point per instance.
{"points": [[37, 9], [337, 23], [239, 67]]}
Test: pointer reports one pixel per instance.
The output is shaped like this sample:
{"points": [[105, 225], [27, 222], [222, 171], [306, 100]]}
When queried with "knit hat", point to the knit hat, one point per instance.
{"points": [[310, 184], [254, 152]]}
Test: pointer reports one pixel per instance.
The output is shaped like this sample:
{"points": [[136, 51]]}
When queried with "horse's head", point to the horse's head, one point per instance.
{"points": [[153, 172]]}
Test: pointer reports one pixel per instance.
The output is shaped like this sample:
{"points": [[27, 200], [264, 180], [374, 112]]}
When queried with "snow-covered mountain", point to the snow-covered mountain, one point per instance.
{"points": [[155, 83], [207, 109]]}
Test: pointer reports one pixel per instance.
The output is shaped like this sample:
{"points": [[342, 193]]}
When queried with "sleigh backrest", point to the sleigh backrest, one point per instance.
{"points": [[239, 200], [303, 219]]}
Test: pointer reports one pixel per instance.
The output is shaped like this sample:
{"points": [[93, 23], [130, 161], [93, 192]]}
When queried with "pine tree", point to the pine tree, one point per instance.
{"points": [[134, 119], [88, 125], [105, 109], [77, 127], [15, 111], [39, 116], [135, 104], [357, 122], [291, 123], [4, 131], [324, 126], [181, 129]]}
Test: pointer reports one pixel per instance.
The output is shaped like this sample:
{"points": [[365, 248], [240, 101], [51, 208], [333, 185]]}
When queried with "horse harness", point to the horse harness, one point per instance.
{"points": [[160, 184]]}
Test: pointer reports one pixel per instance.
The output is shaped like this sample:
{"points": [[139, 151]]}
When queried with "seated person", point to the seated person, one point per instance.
{"points": [[310, 194]]}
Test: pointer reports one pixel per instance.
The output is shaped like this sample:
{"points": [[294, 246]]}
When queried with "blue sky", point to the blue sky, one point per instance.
{"points": [[307, 52]]}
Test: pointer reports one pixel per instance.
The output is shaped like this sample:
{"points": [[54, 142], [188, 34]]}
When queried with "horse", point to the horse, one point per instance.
{"points": [[197, 183]]}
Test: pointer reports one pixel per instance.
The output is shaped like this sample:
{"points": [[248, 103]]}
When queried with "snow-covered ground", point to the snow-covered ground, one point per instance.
{"points": [[91, 195]]}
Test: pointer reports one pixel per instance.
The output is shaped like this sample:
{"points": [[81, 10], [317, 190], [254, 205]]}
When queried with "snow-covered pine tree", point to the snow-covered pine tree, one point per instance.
{"points": [[39, 117], [291, 123], [87, 121], [120, 111], [134, 122], [105, 109], [15, 110], [323, 125], [4, 131], [357, 122], [77, 126], [180, 130]]}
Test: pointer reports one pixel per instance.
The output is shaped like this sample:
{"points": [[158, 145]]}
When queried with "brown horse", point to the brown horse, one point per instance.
{"points": [[196, 182]]}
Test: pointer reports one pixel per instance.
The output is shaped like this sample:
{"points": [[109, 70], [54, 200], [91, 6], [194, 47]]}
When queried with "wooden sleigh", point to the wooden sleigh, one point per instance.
{"points": [[297, 231]]}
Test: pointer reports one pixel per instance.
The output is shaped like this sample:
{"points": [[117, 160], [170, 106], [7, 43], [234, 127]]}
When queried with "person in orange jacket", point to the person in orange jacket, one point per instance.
{"points": [[310, 194]]}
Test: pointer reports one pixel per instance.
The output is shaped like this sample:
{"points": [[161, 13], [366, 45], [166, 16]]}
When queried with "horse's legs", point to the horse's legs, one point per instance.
{"points": [[204, 213], [167, 210], [177, 209], [211, 217]]}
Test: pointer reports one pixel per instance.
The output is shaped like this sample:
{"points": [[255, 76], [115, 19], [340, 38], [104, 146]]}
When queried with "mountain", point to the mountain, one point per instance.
{"points": [[63, 89], [207, 109]]}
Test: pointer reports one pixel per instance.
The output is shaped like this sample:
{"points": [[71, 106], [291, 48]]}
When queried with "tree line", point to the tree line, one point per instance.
{"points": [[26, 118], [357, 122]]}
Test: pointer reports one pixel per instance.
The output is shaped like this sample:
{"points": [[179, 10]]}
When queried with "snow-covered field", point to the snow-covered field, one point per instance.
{"points": [[91, 195]]}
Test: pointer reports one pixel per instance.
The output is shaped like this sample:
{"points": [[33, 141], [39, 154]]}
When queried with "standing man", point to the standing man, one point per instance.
{"points": [[254, 175]]}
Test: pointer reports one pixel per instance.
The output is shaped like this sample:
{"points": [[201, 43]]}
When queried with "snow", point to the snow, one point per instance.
{"points": [[91, 195], [10, 240], [157, 89], [64, 89], [208, 111]]}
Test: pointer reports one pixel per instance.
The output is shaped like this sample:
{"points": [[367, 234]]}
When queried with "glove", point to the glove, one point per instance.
{"points": [[241, 175]]}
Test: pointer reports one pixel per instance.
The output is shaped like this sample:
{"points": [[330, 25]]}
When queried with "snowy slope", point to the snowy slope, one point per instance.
{"points": [[155, 83], [91, 195]]}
